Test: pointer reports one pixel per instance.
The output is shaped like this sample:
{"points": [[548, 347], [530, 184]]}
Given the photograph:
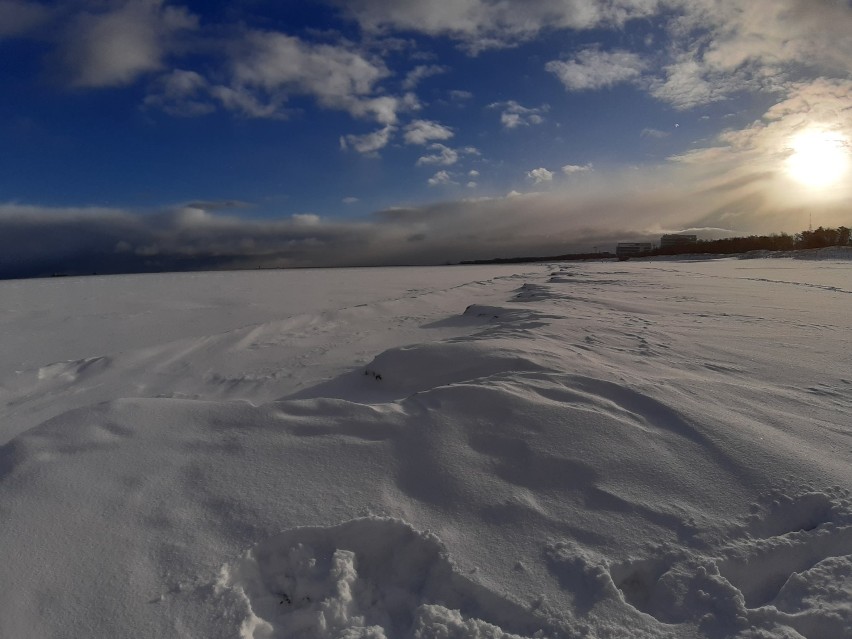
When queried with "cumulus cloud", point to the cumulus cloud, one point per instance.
{"points": [[421, 72], [445, 155], [708, 50], [274, 65], [441, 178], [513, 115], [115, 46], [571, 169], [595, 69], [265, 69], [540, 175], [181, 93], [723, 47], [369, 143], [423, 131], [247, 103], [712, 49], [458, 95], [688, 83]]}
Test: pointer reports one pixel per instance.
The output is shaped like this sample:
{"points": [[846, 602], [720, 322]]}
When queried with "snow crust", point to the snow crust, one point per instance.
{"points": [[642, 449]]}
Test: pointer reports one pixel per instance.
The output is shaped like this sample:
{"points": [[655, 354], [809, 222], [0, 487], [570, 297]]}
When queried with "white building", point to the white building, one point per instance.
{"points": [[624, 250], [677, 239]]}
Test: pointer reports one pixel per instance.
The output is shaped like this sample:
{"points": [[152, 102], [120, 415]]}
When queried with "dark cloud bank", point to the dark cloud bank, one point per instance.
{"points": [[36, 242]]}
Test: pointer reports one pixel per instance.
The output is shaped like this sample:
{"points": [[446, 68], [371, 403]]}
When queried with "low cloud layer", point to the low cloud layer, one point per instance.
{"points": [[711, 188]]}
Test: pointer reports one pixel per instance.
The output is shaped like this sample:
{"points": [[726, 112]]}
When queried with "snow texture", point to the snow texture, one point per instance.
{"points": [[633, 450]]}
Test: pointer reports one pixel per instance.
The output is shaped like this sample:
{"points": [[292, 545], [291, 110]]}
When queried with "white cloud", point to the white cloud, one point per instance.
{"points": [[595, 69], [248, 103], [350, 200], [441, 178], [18, 17], [654, 133], [306, 219], [471, 185], [540, 175], [483, 24], [822, 104], [710, 50], [338, 77], [571, 169], [688, 83], [459, 95], [473, 173], [369, 143], [265, 69], [181, 93], [724, 47], [423, 131], [514, 115], [443, 155], [273, 60], [421, 72], [114, 47]]}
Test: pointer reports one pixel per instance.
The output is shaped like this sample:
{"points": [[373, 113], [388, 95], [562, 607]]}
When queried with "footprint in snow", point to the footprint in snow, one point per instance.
{"points": [[371, 578]]}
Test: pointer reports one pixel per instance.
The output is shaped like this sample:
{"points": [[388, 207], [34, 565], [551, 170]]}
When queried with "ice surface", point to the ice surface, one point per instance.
{"points": [[643, 449]]}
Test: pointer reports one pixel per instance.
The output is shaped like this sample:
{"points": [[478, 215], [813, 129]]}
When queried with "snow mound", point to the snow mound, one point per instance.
{"points": [[421, 367], [368, 578]]}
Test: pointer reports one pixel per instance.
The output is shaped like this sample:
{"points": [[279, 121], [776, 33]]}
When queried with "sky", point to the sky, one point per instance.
{"points": [[154, 135]]}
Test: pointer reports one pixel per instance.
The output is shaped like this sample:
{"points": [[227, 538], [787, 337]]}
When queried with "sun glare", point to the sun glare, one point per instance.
{"points": [[819, 158]]}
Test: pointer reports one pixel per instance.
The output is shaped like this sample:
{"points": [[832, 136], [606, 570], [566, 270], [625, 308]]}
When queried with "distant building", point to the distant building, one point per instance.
{"points": [[624, 250], [677, 239]]}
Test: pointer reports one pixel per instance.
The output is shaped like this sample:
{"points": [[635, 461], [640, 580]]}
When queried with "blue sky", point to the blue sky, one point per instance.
{"points": [[199, 134]]}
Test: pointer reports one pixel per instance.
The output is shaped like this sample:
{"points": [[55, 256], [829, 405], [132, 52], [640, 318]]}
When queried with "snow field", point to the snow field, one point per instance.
{"points": [[596, 450]]}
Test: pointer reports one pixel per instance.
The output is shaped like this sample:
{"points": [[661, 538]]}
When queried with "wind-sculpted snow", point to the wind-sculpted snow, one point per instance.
{"points": [[746, 580], [600, 450]]}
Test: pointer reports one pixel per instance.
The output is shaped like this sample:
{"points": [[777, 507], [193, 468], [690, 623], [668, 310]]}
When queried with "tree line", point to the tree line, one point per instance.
{"points": [[812, 238]]}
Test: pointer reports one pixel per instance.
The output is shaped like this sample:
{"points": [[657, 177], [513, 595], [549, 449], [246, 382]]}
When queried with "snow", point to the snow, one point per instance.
{"points": [[638, 449]]}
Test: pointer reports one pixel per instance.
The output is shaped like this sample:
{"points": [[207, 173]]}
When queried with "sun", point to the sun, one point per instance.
{"points": [[818, 158]]}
